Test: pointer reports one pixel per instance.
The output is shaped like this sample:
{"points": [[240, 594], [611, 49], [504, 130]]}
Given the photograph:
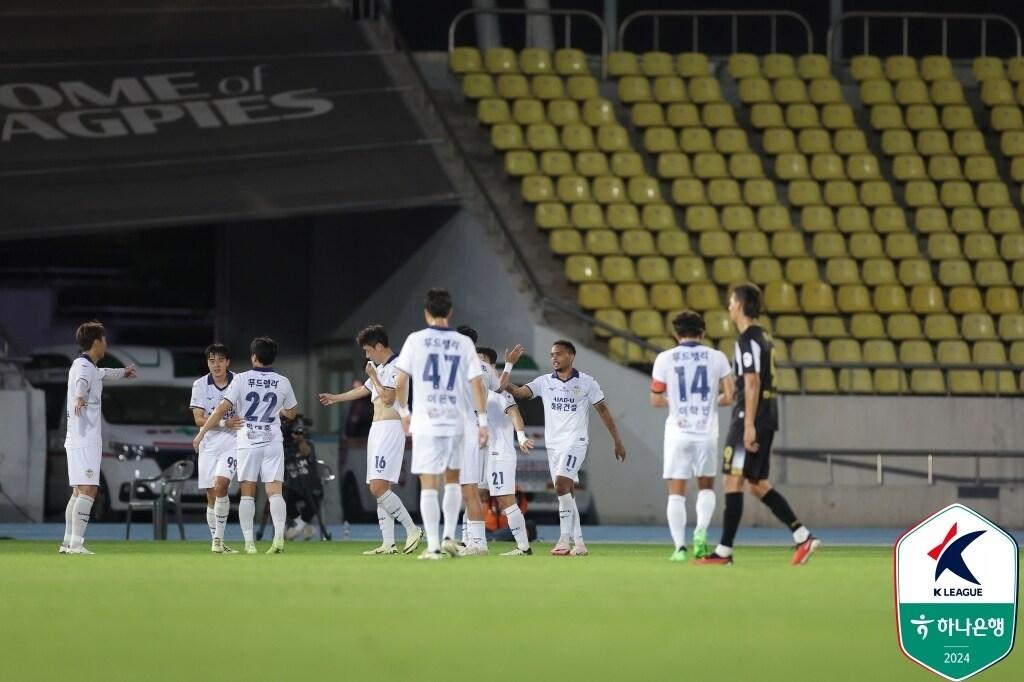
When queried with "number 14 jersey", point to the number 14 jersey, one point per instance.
{"points": [[689, 375]]}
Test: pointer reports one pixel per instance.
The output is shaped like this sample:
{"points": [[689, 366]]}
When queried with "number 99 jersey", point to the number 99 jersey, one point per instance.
{"points": [[689, 375]]}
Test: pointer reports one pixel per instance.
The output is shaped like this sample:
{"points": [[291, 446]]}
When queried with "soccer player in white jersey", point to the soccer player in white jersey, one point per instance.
{"points": [[217, 460], [84, 442], [687, 380], [385, 446], [568, 395], [264, 395], [504, 420], [437, 362]]}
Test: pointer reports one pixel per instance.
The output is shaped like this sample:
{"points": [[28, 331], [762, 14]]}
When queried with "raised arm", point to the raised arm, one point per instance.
{"points": [[511, 357], [518, 392], [387, 395], [111, 374], [613, 430]]}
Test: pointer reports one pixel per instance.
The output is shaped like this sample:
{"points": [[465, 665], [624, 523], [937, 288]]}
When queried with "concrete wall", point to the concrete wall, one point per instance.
{"points": [[22, 453]]}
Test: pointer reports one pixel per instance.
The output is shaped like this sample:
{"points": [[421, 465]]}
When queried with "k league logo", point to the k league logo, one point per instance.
{"points": [[956, 580]]}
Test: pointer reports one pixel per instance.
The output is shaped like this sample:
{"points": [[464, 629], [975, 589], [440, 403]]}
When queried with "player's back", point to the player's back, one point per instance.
{"points": [[692, 374], [502, 432], [258, 396], [440, 362]]}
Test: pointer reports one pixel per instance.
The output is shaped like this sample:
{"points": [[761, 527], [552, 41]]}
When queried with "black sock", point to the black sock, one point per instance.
{"points": [[777, 503], [731, 518]]}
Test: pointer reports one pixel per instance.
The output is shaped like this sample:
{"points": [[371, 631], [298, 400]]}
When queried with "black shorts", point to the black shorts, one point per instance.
{"points": [[736, 461]]}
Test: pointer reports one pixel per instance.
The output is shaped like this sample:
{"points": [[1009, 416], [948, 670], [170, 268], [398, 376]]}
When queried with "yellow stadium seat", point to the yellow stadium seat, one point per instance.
{"points": [[922, 117], [997, 93], [931, 142], [705, 89], [827, 167], [656, 64], [980, 327], [535, 60], [598, 111], [993, 194], [819, 380], [1011, 327], [917, 352], [646, 323], [863, 67], [789, 90], [778, 65], [631, 296], [954, 193], [693, 140], [948, 92], [980, 168], [926, 299], [817, 219], [766, 115], [688, 191], [780, 297], [829, 327], [773, 219], [865, 245], [906, 167], [668, 89], [594, 295], [788, 245], [940, 326], [801, 270], [634, 89], [587, 216], [653, 269], [911, 91], [752, 244], [921, 193], [957, 117], [715, 244], [927, 382], [867, 326], [623, 351], [667, 296], [513, 86], [876, 271], [623, 217], [765, 270], [581, 88], [810, 66], [623, 64], [689, 270], [900, 144], [936, 67], [507, 136], [718, 325], [556, 163], [1007, 118], [464, 60], [903, 327], [491, 110], [814, 141], [528, 111], [838, 117], [886, 117], [591, 164], [807, 350], [537, 188], [745, 166], [501, 60], [691, 64], [969, 142], [826, 91], [876, 91], [660, 139], [565, 243], [987, 68], [1011, 247], [853, 219], [800, 116], [647, 114], [829, 245], [840, 193], [742, 65], [963, 300], [804, 193], [890, 298], [603, 243], [563, 112], [850, 141], [719, 115], [519, 163], [899, 67], [728, 270], [673, 242], [840, 271], [817, 298], [581, 268], [613, 138], [643, 190], [569, 61], [708, 165], [550, 215], [792, 327], [542, 136], [682, 115], [980, 247], [901, 245], [991, 273], [573, 189], [931, 219], [1001, 300], [702, 296], [791, 166], [941, 246], [754, 90], [954, 272], [612, 317], [914, 271], [944, 167], [674, 165], [627, 164], [738, 219], [608, 189], [1018, 274], [860, 167]]}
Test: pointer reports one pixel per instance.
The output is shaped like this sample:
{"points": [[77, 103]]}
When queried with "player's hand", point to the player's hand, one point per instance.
{"points": [[234, 422], [328, 399], [371, 370], [79, 404], [481, 438], [526, 445], [131, 372], [750, 438], [197, 440], [514, 354], [406, 421], [620, 451]]}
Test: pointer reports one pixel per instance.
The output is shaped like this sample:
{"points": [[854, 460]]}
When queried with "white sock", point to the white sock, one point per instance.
{"points": [[299, 523], [451, 504], [722, 550], [577, 526], [517, 524], [387, 525], [801, 534], [221, 507], [676, 513], [393, 506], [465, 528], [279, 515], [246, 514], [565, 519], [430, 510], [211, 521], [80, 520], [476, 533], [69, 518], [705, 508]]}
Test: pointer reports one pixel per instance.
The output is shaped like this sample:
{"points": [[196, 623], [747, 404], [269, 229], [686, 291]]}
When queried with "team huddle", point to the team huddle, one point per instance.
{"points": [[462, 415]]}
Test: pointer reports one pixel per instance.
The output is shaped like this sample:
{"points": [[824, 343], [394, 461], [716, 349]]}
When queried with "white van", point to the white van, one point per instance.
{"points": [[147, 424]]}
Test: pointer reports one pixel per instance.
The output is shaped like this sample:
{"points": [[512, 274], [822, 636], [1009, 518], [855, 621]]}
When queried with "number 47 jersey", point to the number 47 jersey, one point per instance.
{"points": [[258, 396], [439, 362], [689, 375]]}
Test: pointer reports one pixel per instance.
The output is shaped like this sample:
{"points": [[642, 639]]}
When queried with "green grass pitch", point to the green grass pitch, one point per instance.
{"points": [[172, 611]]}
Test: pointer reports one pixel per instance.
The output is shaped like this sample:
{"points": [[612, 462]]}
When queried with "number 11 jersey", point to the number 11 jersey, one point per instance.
{"points": [[258, 396]]}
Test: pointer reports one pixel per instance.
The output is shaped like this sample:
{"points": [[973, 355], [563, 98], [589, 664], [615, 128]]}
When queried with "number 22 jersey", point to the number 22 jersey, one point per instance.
{"points": [[258, 396]]}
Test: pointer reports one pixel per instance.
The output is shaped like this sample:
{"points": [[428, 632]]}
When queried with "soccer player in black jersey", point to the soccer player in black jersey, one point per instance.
{"points": [[754, 422]]}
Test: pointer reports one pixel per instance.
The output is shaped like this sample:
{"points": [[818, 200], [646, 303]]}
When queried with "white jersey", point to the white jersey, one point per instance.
{"points": [[258, 396], [689, 375], [387, 372], [440, 363], [566, 406], [491, 383], [86, 379], [206, 394], [502, 431]]}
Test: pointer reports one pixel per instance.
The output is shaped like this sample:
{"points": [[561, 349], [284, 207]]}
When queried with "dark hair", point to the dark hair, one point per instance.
{"points": [[566, 345], [89, 333], [438, 303], [466, 330], [688, 324], [217, 349], [265, 350], [749, 296], [489, 353], [373, 335]]}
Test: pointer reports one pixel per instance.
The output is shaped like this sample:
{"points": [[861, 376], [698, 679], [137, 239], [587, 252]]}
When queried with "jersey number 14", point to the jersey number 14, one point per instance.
{"points": [[698, 386]]}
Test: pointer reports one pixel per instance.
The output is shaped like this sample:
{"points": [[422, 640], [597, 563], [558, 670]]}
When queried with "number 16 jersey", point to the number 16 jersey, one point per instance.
{"points": [[689, 375], [258, 396]]}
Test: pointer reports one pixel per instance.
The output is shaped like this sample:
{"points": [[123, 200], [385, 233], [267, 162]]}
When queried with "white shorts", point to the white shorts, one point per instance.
{"points": [[214, 463], [473, 462], [433, 454], [566, 460], [385, 448], [689, 455], [261, 463], [84, 465], [501, 474]]}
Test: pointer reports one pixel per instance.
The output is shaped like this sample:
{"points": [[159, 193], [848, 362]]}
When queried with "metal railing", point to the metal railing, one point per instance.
{"points": [[733, 15], [836, 31], [527, 13], [829, 457]]}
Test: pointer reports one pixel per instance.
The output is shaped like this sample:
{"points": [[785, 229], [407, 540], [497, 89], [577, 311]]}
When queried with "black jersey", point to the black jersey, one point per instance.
{"points": [[755, 353]]}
